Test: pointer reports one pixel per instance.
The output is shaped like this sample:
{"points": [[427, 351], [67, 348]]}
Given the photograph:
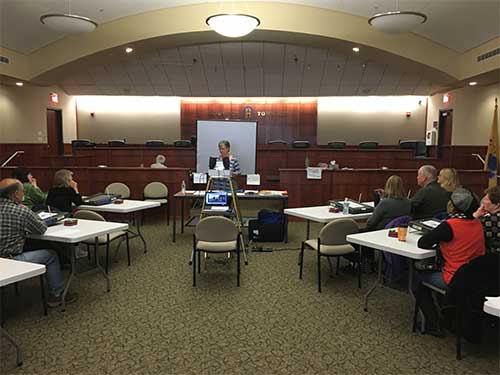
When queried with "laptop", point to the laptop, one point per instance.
{"points": [[51, 218], [216, 200], [425, 225]]}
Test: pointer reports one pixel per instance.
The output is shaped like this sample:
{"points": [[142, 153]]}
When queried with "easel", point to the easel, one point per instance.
{"points": [[236, 214]]}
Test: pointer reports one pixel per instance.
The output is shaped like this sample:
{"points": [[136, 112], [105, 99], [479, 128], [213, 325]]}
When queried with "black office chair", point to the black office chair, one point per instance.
{"points": [[82, 143], [182, 143], [368, 145], [338, 145], [301, 144], [117, 142], [278, 142], [154, 143]]}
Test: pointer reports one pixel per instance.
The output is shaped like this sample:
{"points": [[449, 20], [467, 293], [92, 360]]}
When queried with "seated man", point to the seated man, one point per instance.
{"points": [[431, 199], [17, 220], [489, 214], [460, 238]]}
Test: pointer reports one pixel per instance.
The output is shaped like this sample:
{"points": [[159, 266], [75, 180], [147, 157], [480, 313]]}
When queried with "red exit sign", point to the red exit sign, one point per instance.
{"points": [[54, 98]]}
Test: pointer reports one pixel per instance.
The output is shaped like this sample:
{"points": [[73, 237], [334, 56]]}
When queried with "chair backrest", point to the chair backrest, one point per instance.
{"points": [[336, 145], [216, 229], [334, 233], [117, 142], [118, 188], [396, 222], [154, 143], [368, 145], [278, 142], [88, 215], [155, 190]]}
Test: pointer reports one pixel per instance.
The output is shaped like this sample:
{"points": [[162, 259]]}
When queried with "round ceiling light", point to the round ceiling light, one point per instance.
{"points": [[68, 23], [397, 21], [233, 25]]}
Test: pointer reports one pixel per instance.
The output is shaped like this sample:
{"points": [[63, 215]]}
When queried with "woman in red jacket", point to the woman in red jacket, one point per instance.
{"points": [[460, 238]]}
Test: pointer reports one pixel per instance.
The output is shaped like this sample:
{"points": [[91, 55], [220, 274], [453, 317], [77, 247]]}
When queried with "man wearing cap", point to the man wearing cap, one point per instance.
{"points": [[431, 199], [460, 238], [17, 220]]}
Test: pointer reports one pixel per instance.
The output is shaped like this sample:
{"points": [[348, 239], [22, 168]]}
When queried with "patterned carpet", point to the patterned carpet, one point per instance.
{"points": [[154, 322]]}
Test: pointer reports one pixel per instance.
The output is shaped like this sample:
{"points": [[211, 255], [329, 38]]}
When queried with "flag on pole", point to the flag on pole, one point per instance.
{"points": [[491, 160]]}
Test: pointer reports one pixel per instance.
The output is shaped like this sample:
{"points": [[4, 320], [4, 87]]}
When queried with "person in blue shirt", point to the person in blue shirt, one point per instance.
{"points": [[234, 166]]}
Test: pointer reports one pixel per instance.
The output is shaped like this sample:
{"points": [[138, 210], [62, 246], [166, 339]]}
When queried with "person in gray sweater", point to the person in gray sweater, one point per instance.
{"points": [[393, 204]]}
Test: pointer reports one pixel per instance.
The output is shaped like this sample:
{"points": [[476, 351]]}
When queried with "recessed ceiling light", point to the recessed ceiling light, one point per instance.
{"points": [[355, 49], [473, 83], [19, 84], [129, 49]]}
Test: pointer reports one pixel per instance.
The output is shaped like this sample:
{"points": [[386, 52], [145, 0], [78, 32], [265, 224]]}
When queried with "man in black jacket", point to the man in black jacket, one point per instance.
{"points": [[431, 199]]}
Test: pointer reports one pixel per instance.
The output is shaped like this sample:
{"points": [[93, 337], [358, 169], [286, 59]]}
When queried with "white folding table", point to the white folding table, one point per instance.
{"points": [[129, 206], [321, 214], [84, 230], [381, 241], [12, 271]]}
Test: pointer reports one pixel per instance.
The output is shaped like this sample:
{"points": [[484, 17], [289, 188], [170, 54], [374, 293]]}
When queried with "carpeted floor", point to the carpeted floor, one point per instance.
{"points": [[154, 321]]}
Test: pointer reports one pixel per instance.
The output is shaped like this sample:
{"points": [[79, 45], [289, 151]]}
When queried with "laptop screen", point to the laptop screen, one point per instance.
{"points": [[216, 198]]}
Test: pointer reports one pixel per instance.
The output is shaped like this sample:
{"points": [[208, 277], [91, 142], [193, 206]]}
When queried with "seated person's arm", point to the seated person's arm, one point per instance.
{"points": [[33, 224], [417, 200], [442, 233], [77, 199], [377, 216]]}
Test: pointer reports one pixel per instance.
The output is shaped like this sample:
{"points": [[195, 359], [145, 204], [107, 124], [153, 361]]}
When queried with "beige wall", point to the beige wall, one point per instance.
{"points": [[379, 118], [135, 118], [472, 113], [23, 116]]}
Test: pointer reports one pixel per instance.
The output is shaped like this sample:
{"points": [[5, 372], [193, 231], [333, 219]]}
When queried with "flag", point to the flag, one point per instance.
{"points": [[491, 160]]}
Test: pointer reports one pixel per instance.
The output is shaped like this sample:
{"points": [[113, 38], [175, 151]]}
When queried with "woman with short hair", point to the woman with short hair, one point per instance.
{"points": [[64, 194], [489, 214], [448, 179]]}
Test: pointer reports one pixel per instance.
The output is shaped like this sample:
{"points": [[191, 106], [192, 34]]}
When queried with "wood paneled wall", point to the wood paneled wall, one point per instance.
{"points": [[285, 119], [350, 183]]}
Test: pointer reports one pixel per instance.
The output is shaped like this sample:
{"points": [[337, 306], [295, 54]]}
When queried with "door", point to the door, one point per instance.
{"points": [[445, 129], [55, 142]]}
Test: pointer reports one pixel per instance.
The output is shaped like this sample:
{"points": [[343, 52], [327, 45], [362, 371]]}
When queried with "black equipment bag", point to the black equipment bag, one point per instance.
{"points": [[269, 227]]}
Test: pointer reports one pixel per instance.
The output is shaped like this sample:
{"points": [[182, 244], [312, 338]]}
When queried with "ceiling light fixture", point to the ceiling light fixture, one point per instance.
{"points": [[355, 49], [473, 83], [19, 84], [232, 25], [397, 21], [129, 50], [68, 23]]}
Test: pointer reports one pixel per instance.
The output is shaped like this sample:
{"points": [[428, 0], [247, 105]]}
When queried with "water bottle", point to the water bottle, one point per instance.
{"points": [[183, 187], [345, 210]]}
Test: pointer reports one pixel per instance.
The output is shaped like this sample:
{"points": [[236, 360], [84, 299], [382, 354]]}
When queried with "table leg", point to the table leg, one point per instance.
{"points": [[44, 296], [174, 203], [182, 216], [106, 276], [285, 206], [72, 257], [139, 233], [19, 353], [410, 276], [377, 282], [308, 229]]}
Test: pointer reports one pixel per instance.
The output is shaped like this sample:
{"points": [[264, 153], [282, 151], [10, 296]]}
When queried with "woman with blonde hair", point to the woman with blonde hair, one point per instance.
{"points": [[64, 194], [392, 205], [448, 179]]}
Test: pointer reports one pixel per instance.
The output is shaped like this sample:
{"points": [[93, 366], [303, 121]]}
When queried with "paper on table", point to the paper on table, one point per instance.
{"points": [[253, 179], [314, 173], [199, 178]]}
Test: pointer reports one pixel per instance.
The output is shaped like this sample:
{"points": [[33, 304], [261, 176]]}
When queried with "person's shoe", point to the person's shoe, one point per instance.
{"points": [[55, 301]]}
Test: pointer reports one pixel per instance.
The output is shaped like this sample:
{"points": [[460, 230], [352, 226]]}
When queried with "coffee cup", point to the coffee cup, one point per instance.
{"points": [[402, 232]]}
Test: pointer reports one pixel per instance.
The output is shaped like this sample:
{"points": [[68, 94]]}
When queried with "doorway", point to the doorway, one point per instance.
{"points": [[445, 130], [55, 142]]}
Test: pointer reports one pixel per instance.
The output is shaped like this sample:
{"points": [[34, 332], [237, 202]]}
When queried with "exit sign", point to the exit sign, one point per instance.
{"points": [[54, 98]]}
